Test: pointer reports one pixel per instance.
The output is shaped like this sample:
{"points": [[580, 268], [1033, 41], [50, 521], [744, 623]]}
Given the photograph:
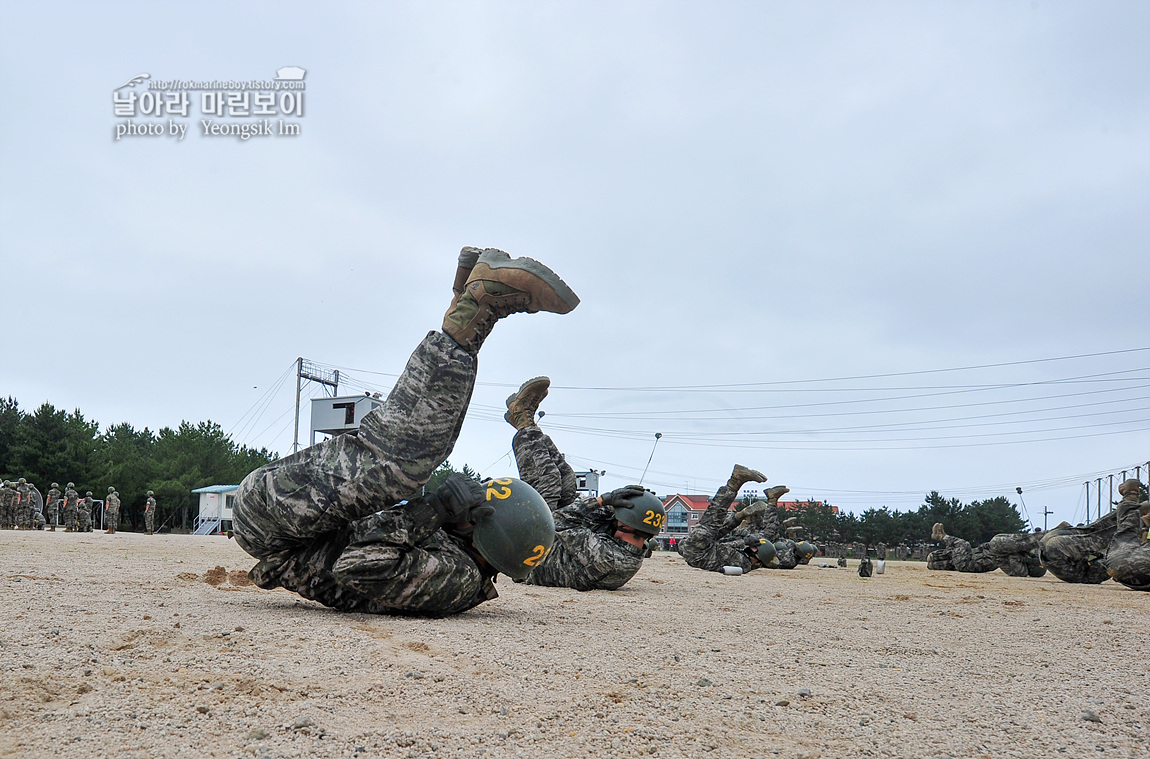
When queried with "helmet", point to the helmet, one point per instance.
{"points": [[111, 488], [71, 484], [519, 535], [805, 550], [643, 513], [149, 492], [56, 485], [765, 553], [89, 494], [23, 481]]}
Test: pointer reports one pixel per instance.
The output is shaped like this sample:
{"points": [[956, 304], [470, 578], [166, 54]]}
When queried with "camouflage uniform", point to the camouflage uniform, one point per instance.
{"points": [[1077, 554], [1128, 558], [150, 515], [327, 522], [1015, 554], [7, 506], [23, 512], [112, 511], [709, 546], [958, 556], [37, 502], [52, 508], [586, 554], [785, 553], [84, 514], [71, 503]]}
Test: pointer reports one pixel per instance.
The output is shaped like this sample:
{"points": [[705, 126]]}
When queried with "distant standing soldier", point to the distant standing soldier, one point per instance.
{"points": [[84, 513], [600, 542], [7, 505], [52, 507], [150, 514], [23, 505], [71, 507], [111, 511], [711, 547], [37, 502]]}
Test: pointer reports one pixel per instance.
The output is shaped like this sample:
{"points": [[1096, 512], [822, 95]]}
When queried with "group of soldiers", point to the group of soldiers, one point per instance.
{"points": [[1111, 547], [348, 522], [22, 507]]}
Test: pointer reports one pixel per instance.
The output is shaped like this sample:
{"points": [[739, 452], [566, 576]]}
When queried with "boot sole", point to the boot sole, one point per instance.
{"points": [[560, 300]]}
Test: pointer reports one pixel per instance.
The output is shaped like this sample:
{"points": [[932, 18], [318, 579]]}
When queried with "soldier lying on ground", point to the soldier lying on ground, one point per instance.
{"points": [[600, 542], [1128, 556], [328, 522], [1077, 554], [711, 546], [1015, 554]]}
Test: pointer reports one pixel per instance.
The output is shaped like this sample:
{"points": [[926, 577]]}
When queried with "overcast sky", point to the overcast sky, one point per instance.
{"points": [[873, 249]]}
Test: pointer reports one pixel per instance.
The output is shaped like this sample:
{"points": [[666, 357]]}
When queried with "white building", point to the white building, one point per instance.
{"points": [[216, 503]]}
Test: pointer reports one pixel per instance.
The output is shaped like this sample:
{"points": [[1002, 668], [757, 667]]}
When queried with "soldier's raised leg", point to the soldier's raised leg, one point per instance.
{"points": [[319, 490]]}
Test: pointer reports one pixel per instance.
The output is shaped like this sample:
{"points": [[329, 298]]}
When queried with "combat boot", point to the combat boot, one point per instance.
{"points": [[467, 260], [522, 405], [741, 475], [775, 493], [937, 532], [498, 286]]}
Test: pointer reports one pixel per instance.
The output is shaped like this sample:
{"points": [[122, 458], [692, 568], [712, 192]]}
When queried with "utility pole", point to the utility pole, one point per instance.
{"points": [[1111, 493], [314, 373], [1087, 484], [1098, 486]]}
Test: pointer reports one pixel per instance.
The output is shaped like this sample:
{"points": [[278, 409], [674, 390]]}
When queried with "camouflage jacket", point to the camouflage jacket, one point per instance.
{"points": [[711, 546], [112, 503], [586, 554], [150, 506], [395, 561]]}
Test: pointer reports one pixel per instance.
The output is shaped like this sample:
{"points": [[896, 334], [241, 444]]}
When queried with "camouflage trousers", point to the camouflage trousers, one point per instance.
{"points": [[70, 517], [23, 514], [112, 519], [1016, 555], [705, 548], [940, 559], [84, 518], [287, 505], [964, 558], [7, 512], [1128, 558], [543, 467], [1077, 554], [150, 521]]}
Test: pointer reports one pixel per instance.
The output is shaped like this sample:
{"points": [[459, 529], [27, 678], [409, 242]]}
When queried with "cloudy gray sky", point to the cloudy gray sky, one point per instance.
{"points": [[873, 249]]}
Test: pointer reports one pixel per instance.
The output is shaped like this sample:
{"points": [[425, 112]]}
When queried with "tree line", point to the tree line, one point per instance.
{"points": [[49, 445], [977, 521]]}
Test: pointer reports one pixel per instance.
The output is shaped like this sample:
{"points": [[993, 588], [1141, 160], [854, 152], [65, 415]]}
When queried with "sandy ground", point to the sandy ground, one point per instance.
{"points": [[135, 646]]}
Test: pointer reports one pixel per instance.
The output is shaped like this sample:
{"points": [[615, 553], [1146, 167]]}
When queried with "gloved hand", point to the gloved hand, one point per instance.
{"points": [[652, 545], [751, 541], [459, 500], [625, 493]]}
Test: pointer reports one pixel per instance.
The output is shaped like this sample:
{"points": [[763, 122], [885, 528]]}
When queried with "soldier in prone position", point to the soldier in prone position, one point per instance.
{"points": [[1128, 555], [600, 542], [711, 546], [1018, 555], [1078, 554], [329, 522]]}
